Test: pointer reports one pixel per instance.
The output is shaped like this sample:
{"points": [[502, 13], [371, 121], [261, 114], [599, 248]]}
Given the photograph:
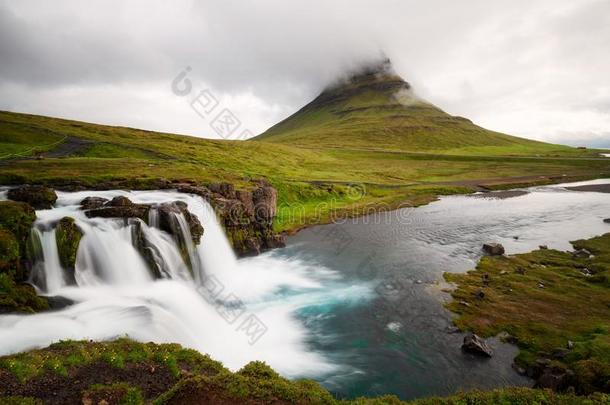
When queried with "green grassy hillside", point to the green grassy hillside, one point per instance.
{"points": [[313, 183], [376, 109]]}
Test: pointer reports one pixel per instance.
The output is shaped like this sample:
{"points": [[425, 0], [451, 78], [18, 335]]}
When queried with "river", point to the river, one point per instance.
{"points": [[357, 305]]}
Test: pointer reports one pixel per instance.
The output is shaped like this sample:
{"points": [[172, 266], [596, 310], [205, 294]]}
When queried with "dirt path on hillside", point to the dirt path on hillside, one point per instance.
{"points": [[70, 147]]}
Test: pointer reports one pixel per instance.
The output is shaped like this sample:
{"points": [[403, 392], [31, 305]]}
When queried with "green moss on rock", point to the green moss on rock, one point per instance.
{"points": [[19, 297], [68, 236], [39, 197], [9, 251], [17, 217]]}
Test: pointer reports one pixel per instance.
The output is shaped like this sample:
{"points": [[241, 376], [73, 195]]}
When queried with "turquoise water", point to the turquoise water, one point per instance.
{"points": [[385, 328]]}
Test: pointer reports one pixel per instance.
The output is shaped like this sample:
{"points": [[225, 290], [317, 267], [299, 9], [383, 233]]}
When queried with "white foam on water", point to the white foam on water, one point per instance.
{"points": [[208, 308]]}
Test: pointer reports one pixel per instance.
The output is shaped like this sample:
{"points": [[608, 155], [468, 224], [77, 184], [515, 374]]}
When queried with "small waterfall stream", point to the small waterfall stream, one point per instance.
{"points": [[207, 300]]}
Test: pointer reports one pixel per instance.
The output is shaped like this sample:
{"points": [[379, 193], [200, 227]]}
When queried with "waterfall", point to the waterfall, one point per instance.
{"points": [[132, 278], [47, 273]]}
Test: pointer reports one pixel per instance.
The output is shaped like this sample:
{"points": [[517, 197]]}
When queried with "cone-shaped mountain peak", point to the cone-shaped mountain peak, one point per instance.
{"points": [[374, 108]]}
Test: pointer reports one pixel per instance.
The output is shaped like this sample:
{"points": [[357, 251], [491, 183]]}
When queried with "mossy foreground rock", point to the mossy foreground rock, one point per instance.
{"points": [[16, 219], [39, 197], [67, 236], [9, 251], [554, 305], [15, 297], [127, 372]]}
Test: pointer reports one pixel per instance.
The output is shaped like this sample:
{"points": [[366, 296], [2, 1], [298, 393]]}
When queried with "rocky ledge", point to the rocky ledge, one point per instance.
{"points": [[123, 207], [246, 215], [39, 197]]}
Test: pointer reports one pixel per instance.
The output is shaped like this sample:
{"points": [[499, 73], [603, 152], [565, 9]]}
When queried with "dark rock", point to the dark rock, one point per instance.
{"points": [[120, 201], [585, 271], [231, 212], [201, 191], [68, 236], [227, 190], [508, 338], [149, 251], [39, 197], [543, 247], [275, 241], [479, 294], [581, 254], [560, 353], [251, 247], [554, 378], [520, 370], [607, 220], [246, 199], [57, 302], [120, 207], [90, 203], [476, 345], [265, 203], [536, 369], [168, 221], [493, 249]]}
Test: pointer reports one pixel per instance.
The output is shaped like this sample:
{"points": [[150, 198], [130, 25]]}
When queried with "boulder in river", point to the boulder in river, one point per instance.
{"points": [[493, 249], [67, 237], [607, 220], [167, 220], [120, 207], [476, 345], [90, 203], [39, 197]]}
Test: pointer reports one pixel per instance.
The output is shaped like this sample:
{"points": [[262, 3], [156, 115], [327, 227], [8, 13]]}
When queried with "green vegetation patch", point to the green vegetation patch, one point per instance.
{"points": [[17, 218], [119, 393], [199, 379], [556, 304], [64, 356]]}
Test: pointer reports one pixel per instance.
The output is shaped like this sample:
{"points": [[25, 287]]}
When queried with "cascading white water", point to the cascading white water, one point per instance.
{"points": [[117, 293], [47, 272]]}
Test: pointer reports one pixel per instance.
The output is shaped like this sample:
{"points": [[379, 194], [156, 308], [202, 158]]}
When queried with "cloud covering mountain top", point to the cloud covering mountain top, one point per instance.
{"points": [[536, 69]]}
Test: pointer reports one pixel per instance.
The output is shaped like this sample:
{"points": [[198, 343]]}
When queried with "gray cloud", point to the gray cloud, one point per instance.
{"points": [[537, 69]]}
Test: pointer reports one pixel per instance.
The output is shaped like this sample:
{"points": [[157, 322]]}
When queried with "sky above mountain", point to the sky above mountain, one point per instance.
{"points": [[537, 69]]}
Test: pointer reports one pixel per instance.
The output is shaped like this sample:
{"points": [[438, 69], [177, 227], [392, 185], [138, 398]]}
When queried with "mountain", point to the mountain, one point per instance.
{"points": [[376, 109]]}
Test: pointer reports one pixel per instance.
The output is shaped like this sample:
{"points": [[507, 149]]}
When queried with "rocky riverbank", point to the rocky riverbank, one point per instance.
{"points": [[554, 305], [246, 213]]}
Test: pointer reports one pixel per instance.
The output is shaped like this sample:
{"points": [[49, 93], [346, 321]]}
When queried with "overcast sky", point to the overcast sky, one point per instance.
{"points": [[535, 68]]}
